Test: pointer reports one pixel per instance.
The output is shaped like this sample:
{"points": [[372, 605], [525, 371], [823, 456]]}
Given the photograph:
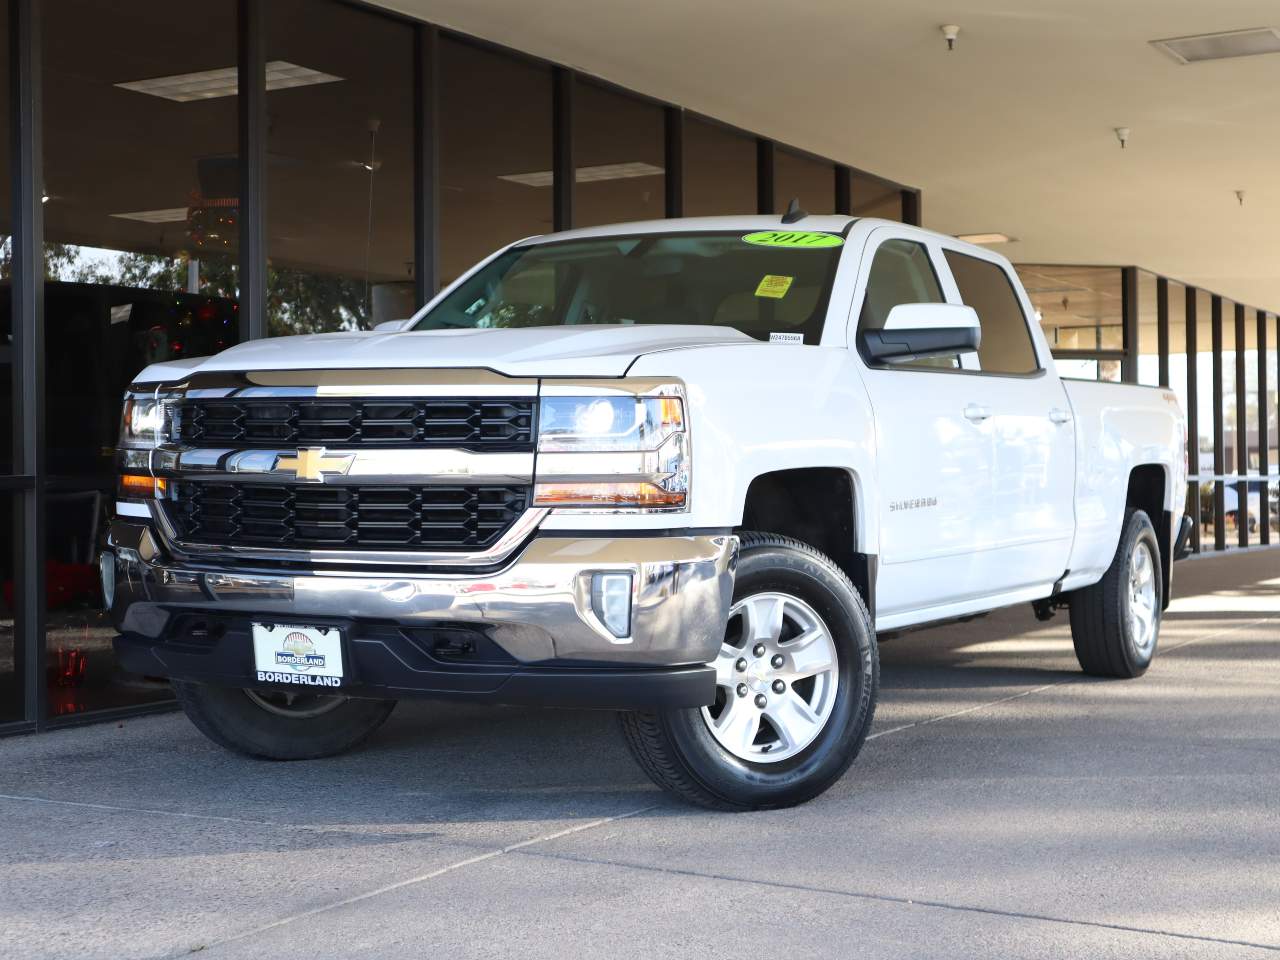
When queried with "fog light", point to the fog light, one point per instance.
{"points": [[611, 601]]}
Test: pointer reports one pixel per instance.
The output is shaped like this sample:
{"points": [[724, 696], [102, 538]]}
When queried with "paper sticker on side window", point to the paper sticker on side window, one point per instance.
{"points": [[786, 338], [774, 287]]}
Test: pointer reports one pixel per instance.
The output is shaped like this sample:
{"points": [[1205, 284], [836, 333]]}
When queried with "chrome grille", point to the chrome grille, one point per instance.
{"points": [[304, 516], [485, 424]]}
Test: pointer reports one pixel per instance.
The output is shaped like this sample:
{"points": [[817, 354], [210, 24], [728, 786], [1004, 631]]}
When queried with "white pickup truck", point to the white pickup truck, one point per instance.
{"points": [[684, 469]]}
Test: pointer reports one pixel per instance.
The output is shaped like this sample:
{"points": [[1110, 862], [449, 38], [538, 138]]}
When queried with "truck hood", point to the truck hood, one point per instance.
{"points": [[587, 350]]}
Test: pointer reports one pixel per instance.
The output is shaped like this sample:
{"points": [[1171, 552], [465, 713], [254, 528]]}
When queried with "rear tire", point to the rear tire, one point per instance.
{"points": [[263, 723], [802, 645], [1115, 623]]}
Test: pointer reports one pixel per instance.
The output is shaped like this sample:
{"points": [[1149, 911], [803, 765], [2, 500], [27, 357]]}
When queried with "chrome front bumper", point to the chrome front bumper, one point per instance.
{"points": [[537, 610]]}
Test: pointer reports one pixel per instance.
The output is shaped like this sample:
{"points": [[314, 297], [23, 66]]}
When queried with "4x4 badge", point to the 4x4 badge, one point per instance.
{"points": [[311, 464]]}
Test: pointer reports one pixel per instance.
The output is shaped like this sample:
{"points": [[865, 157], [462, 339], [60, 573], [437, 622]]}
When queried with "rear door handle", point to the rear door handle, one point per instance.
{"points": [[1058, 415], [976, 412]]}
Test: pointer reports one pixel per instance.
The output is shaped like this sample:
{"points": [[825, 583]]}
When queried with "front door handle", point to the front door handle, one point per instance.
{"points": [[976, 412], [1058, 415]]}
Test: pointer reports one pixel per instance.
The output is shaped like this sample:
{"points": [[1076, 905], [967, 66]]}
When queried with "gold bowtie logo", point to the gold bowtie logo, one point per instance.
{"points": [[311, 464]]}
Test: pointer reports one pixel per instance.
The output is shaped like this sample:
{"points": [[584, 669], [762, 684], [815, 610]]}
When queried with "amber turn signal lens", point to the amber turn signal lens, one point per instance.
{"points": [[605, 495], [136, 487]]}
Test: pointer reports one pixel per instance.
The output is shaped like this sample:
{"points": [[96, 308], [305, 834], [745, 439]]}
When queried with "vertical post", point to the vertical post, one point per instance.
{"points": [[251, 74], [1219, 452], [1129, 318], [912, 208], [426, 163], [844, 190], [562, 166], [27, 291], [1193, 411], [1264, 438], [1242, 436], [764, 176], [1162, 327], [673, 153]]}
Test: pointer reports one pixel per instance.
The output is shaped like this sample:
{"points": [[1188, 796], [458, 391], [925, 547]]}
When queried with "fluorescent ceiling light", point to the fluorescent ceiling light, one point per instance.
{"points": [[605, 171], [170, 215], [212, 84], [1221, 46], [985, 238]]}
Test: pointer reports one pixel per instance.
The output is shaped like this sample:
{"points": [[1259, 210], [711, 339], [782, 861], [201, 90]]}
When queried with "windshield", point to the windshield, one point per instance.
{"points": [[769, 283]]}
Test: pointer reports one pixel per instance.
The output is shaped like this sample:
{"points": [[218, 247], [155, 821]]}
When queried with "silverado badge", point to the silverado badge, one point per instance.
{"points": [[311, 464]]}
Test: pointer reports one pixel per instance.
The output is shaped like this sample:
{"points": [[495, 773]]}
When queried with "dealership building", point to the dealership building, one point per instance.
{"points": [[179, 177]]}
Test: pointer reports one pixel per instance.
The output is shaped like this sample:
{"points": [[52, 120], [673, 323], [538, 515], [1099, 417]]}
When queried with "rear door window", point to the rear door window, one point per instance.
{"points": [[1006, 340]]}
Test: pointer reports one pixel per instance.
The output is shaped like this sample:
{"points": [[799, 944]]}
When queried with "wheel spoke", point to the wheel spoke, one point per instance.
{"points": [[808, 654], [1143, 567], [762, 618], [738, 724], [792, 717], [1140, 621]]}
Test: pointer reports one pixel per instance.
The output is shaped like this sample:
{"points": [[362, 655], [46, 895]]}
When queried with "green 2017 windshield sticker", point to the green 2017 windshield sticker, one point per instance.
{"points": [[793, 238]]}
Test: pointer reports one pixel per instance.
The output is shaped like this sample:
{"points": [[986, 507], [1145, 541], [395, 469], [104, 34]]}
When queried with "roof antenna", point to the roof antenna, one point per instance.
{"points": [[794, 212]]}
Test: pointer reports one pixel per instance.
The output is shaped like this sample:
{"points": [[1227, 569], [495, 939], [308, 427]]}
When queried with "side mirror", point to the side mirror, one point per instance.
{"points": [[916, 330], [391, 326]]}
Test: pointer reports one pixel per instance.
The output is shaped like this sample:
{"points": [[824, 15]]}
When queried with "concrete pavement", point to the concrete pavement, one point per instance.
{"points": [[1005, 806]]}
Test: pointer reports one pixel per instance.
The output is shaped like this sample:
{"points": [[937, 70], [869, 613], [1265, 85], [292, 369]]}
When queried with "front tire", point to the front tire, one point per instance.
{"points": [[797, 679], [1115, 623], [280, 725]]}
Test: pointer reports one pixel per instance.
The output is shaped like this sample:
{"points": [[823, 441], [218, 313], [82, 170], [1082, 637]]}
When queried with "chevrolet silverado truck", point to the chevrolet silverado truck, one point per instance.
{"points": [[684, 469]]}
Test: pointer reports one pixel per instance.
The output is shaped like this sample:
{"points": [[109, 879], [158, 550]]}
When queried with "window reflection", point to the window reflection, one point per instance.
{"points": [[495, 153], [339, 169], [141, 223], [810, 181], [719, 170], [619, 148]]}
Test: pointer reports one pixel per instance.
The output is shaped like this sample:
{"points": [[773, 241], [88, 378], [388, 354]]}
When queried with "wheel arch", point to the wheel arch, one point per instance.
{"points": [[1148, 490], [821, 506]]}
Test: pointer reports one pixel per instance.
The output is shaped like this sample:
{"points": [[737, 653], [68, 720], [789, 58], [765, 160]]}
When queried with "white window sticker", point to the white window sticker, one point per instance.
{"points": [[786, 338]]}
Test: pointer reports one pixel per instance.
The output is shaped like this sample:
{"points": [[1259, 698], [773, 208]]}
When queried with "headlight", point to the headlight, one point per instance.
{"points": [[142, 429], [141, 423], [612, 452]]}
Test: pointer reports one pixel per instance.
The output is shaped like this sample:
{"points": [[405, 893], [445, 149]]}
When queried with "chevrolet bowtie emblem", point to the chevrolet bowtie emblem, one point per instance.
{"points": [[311, 464]]}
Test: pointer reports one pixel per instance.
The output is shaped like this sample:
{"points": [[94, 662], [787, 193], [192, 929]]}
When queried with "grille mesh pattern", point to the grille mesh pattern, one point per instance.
{"points": [[482, 424], [332, 517]]}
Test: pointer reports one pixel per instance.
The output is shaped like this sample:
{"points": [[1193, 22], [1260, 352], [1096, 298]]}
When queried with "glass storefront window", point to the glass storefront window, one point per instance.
{"points": [[339, 168], [1079, 307], [719, 170], [810, 181], [1204, 457], [1148, 345], [11, 692], [493, 189], [619, 148], [6, 258], [141, 224], [875, 198], [1227, 460]]}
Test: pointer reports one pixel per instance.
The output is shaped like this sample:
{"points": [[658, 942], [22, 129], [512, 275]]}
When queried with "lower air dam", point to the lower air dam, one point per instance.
{"points": [[300, 678]]}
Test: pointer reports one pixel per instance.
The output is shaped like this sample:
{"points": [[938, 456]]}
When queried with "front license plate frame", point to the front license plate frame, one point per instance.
{"points": [[298, 655]]}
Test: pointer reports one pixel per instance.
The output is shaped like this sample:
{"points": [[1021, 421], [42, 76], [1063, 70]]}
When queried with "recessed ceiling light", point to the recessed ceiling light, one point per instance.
{"points": [[605, 171], [212, 84], [986, 238], [170, 215], [1221, 46]]}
